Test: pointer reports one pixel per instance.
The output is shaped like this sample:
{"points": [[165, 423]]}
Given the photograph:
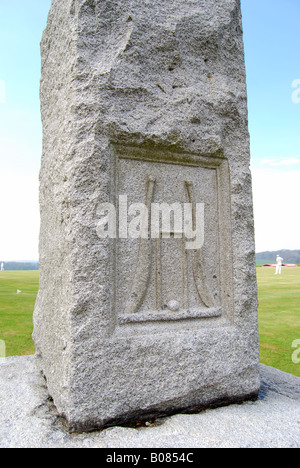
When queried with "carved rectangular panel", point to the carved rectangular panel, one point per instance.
{"points": [[160, 279]]}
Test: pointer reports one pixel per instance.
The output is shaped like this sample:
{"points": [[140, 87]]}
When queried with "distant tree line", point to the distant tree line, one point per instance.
{"points": [[289, 256], [17, 266]]}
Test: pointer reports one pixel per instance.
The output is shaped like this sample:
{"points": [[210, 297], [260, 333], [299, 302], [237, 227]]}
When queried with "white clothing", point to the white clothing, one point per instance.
{"points": [[279, 261]]}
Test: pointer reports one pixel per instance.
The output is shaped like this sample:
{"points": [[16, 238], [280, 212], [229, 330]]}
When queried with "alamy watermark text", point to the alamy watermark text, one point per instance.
{"points": [[158, 220], [296, 93]]}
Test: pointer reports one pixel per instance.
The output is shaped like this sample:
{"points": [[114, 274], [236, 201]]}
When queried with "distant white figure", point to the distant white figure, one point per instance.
{"points": [[2, 266], [18, 291], [279, 261]]}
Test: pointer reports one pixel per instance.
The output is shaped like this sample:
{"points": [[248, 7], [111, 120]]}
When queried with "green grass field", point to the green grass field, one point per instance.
{"points": [[16, 310], [279, 317], [279, 314]]}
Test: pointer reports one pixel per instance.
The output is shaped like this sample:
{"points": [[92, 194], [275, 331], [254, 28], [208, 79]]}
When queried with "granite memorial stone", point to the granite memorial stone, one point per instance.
{"points": [[148, 302]]}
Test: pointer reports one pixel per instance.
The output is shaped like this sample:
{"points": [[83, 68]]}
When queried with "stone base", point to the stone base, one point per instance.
{"points": [[28, 418]]}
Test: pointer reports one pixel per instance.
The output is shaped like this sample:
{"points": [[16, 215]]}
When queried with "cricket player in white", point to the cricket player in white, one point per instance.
{"points": [[279, 261]]}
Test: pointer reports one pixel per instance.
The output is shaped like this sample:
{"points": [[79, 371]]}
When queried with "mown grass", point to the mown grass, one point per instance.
{"points": [[279, 317], [16, 310], [279, 314]]}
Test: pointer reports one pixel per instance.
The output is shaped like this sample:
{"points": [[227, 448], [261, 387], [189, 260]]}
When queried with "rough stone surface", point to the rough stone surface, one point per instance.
{"points": [[145, 99], [29, 420]]}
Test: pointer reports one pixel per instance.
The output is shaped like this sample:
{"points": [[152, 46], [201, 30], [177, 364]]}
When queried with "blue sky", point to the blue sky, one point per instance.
{"points": [[21, 25], [272, 47]]}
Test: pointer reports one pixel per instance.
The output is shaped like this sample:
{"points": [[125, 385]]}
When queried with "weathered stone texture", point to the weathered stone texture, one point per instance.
{"points": [[127, 86]]}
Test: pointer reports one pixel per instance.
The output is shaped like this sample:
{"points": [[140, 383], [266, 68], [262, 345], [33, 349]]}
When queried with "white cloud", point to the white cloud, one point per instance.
{"points": [[276, 197], [19, 217], [279, 163]]}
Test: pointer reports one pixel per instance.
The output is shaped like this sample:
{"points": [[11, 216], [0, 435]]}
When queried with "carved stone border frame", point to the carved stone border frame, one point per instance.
{"points": [[225, 260]]}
